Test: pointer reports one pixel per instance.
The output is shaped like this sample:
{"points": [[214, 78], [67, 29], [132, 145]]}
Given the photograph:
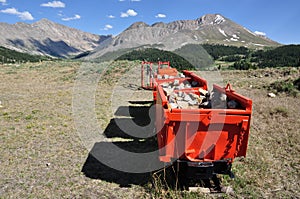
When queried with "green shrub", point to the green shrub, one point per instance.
{"points": [[289, 86]]}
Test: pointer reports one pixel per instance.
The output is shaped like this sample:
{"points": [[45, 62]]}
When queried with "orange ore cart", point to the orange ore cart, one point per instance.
{"points": [[204, 141]]}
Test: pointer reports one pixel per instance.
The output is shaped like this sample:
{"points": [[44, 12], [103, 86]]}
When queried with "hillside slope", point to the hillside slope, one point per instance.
{"points": [[47, 38]]}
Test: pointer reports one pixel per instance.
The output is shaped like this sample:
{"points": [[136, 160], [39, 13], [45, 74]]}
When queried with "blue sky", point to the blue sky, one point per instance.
{"points": [[279, 20]]}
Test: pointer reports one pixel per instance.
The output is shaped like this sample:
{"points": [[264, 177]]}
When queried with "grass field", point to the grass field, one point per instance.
{"points": [[43, 156]]}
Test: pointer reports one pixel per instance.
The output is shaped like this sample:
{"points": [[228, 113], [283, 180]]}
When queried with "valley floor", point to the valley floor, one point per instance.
{"points": [[45, 154]]}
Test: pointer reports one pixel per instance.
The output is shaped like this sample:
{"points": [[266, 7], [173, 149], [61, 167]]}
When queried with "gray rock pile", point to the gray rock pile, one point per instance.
{"points": [[184, 100], [180, 75], [181, 99], [170, 87], [218, 100]]}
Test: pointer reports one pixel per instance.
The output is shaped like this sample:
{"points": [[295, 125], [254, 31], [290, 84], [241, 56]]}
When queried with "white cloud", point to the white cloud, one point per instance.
{"points": [[131, 12], [260, 33], [107, 27], [22, 15], [3, 2], [121, 0], [71, 18], [135, 0], [111, 16], [128, 13], [54, 4], [124, 14], [161, 16]]}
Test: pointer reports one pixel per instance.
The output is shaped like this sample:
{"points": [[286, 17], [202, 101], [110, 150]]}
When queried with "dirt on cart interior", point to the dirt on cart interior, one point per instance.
{"points": [[43, 154]]}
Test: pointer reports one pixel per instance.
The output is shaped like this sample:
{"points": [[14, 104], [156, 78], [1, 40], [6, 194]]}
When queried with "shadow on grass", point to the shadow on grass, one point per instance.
{"points": [[164, 181], [131, 118]]}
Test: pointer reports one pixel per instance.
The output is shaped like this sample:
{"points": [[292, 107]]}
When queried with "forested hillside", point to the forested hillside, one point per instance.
{"points": [[233, 57], [219, 51], [282, 56], [155, 55], [244, 59], [192, 56], [11, 56]]}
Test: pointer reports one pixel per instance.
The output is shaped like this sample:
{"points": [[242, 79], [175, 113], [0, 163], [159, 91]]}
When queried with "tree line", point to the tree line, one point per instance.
{"points": [[288, 55], [241, 58], [244, 58], [12, 56], [155, 55], [219, 51]]}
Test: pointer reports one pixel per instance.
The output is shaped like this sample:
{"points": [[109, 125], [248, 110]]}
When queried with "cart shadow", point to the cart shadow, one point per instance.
{"points": [[109, 160]]}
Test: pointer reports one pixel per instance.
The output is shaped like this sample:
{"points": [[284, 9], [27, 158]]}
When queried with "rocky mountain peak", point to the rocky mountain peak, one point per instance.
{"points": [[48, 38], [159, 25], [50, 25], [211, 19], [183, 25], [210, 28], [137, 25], [44, 21]]}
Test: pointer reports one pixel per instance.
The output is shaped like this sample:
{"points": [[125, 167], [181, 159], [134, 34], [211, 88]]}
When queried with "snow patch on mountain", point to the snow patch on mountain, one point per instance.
{"points": [[260, 33], [184, 43], [258, 44], [235, 36], [249, 31], [219, 19], [222, 32]]}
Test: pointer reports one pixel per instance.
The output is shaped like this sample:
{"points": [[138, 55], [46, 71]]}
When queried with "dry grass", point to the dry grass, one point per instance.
{"points": [[271, 169], [42, 155]]}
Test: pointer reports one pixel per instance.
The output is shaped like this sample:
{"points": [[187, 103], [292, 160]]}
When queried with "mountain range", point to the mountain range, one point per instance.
{"points": [[48, 38]]}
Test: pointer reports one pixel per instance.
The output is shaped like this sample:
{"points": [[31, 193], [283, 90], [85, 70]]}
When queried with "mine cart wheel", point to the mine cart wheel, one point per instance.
{"points": [[217, 183]]}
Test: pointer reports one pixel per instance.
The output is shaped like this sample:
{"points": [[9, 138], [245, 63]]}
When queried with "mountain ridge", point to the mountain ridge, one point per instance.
{"points": [[46, 37], [210, 28]]}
